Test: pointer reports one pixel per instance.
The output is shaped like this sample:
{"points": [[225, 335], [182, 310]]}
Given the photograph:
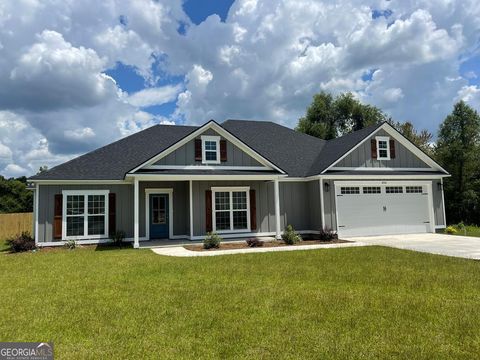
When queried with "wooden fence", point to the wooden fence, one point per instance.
{"points": [[13, 224]]}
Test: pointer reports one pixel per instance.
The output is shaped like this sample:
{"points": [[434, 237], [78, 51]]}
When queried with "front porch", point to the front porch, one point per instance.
{"points": [[178, 211]]}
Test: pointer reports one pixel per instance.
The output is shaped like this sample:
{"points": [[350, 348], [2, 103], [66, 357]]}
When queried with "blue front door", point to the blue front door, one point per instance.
{"points": [[159, 216]]}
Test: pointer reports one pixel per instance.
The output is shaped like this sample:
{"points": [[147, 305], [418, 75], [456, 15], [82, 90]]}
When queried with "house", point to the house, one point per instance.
{"points": [[240, 179]]}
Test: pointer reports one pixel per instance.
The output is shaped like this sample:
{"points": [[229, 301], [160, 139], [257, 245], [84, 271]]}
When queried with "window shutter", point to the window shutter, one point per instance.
{"points": [[374, 148], [208, 210], [57, 217], [198, 149], [223, 150], [112, 213], [392, 149], [253, 210]]}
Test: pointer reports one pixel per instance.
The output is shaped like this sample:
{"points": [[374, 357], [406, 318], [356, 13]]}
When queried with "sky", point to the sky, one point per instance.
{"points": [[77, 75]]}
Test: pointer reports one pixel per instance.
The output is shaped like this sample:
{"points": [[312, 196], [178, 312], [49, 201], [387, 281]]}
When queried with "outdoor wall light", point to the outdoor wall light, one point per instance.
{"points": [[326, 186], [439, 186]]}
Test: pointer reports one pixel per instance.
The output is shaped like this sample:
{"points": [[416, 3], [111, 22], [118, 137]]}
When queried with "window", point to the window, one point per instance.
{"points": [[371, 190], [383, 147], [210, 149], [414, 189], [231, 209], [85, 214], [394, 189], [347, 190]]}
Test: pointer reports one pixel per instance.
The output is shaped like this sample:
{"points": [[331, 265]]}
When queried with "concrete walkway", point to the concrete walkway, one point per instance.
{"points": [[458, 246], [182, 252]]}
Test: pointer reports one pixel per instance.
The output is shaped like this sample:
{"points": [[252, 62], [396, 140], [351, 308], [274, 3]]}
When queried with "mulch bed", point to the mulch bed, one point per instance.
{"points": [[272, 243]]}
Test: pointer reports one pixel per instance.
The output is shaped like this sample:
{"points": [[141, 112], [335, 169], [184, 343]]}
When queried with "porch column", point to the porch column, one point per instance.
{"points": [[136, 204], [277, 209], [191, 208]]}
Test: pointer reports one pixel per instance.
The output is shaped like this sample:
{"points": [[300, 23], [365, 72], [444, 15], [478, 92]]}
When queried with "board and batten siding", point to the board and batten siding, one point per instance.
{"points": [[299, 204], [362, 157], [185, 155], [330, 203], [123, 214]]}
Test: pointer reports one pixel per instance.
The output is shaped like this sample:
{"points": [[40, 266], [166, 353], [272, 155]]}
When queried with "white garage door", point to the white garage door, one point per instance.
{"points": [[382, 209]]}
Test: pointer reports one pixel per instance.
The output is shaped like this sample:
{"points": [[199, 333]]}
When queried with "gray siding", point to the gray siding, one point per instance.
{"points": [[185, 155], [314, 205], [124, 209], [330, 209], [362, 157]]}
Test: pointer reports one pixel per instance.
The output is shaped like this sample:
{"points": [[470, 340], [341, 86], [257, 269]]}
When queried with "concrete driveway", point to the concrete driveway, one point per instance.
{"points": [[458, 246]]}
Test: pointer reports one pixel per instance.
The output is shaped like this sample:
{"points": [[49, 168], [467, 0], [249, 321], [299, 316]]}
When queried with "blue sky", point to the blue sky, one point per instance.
{"points": [[79, 75]]}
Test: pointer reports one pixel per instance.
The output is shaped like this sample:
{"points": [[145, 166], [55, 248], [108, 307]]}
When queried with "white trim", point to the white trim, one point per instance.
{"points": [[222, 132], [136, 211], [437, 227], [206, 167], [382, 169], [387, 140], [401, 139], [254, 234], [190, 186], [81, 182], [230, 190], [276, 192], [322, 202], [85, 194], [443, 205], [169, 192], [37, 197], [428, 184], [384, 177], [216, 140], [152, 177]]}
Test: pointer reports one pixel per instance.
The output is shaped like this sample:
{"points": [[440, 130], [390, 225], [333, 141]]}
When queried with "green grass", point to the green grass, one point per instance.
{"points": [[356, 303], [469, 230]]}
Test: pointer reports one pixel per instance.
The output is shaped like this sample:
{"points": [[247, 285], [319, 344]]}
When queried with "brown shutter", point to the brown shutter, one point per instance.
{"points": [[374, 148], [198, 149], [223, 150], [208, 210], [112, 205], [392, 149], [57, 217], [253, 210]]}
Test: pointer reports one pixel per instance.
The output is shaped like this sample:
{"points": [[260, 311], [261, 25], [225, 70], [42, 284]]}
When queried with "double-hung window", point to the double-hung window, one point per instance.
{"points": [[231, 209], [85, 214], [210, 149], [383, 147]]}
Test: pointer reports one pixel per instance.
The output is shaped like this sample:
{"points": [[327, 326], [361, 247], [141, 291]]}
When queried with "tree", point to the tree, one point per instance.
{"points": [[422, 139], [14, 195], [457, 151], [328, 117]]}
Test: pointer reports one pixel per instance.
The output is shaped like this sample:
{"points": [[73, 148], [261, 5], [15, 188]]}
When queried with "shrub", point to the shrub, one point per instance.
{"points": [[289, 236], [451, 230], [212, 241], [254, 242], [70, 244], [327, 234], [117, 237], [22, 242]]}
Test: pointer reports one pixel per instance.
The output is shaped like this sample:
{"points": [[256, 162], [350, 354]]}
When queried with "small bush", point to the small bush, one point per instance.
{"points": [[451, 230], [70, 244], [22, 242], [289, 236], [327, 234], [254, 242], [212, 241], [117, 237]]}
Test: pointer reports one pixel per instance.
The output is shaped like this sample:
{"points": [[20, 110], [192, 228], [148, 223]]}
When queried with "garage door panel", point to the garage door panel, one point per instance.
{"points": [[362, 213]]}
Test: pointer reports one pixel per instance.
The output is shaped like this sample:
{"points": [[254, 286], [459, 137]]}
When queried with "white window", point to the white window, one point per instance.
{"points": [[85, 214], [231, 209], [372, 190], [348, 190], [210, 149], [414, 189], [394, 189], [383, 147]]}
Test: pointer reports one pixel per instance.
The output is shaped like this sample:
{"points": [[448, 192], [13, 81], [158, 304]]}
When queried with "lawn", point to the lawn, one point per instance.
{"points": [[357, 303]]}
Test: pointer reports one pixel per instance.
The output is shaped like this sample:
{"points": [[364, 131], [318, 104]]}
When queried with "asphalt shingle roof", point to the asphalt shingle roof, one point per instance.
{"points": [[297, 154]]}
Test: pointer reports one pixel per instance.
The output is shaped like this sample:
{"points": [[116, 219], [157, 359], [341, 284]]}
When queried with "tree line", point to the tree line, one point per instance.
{"points": [[456, 148]]}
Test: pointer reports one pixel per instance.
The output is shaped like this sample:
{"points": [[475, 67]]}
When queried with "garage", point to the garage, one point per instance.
{"points": [[383, 208]]}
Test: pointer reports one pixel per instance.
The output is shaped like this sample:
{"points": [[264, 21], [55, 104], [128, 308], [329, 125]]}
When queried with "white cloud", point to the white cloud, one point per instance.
{"points": [[79, 134], [15, 170], [154, 96]]}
